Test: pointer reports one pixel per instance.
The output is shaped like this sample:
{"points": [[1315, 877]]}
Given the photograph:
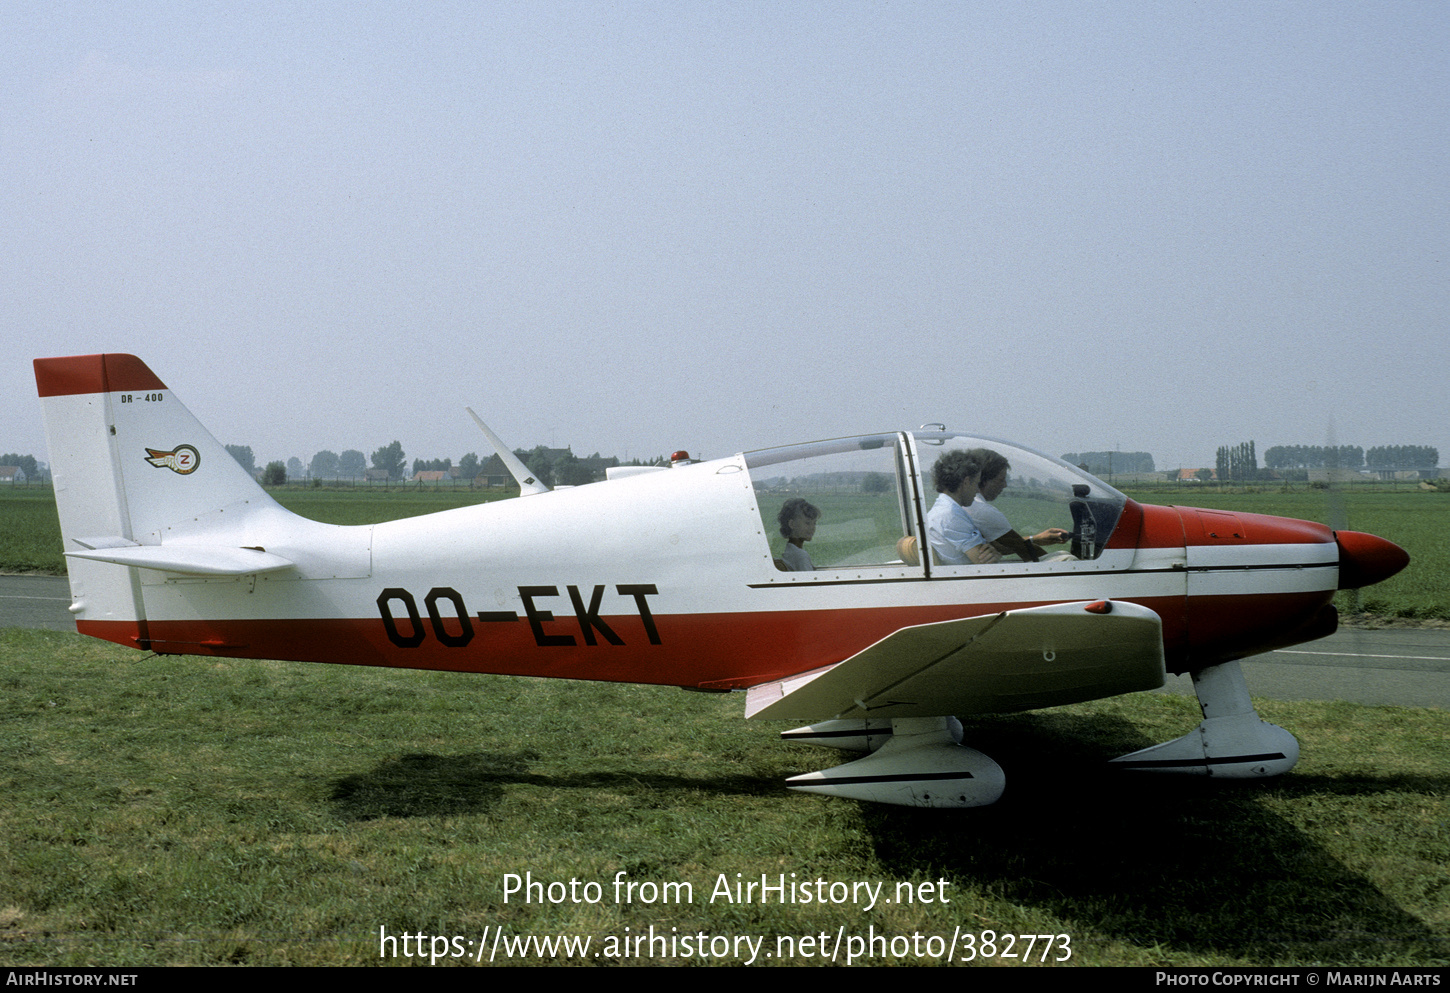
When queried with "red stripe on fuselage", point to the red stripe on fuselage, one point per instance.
{"points": [[721, 651], [717, 650], [108, 373]]}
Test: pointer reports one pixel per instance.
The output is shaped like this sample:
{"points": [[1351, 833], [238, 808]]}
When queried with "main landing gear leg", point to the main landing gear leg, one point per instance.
{"points": [[1231, 742], [920, 766]]}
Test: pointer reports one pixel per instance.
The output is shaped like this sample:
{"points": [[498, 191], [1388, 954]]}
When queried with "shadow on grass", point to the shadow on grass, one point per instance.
{"points": [[1194, 865], [444, 785], [429, 786]]}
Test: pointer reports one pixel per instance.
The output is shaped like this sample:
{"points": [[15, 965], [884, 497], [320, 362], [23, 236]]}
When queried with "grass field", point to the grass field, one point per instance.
{"points": [[204, 811], [29, 532]]}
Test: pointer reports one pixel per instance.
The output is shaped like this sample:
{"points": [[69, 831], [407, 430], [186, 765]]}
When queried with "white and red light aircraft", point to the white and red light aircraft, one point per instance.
{"points": [[675, 577]]}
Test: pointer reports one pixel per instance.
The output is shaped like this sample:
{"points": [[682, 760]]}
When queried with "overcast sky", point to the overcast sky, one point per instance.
{"points": [[633, 227]]}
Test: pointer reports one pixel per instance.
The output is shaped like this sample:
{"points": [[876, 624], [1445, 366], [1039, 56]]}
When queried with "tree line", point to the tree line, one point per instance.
{"points": [[351, 464], [1238, 462], [551, 466], [1352, 457]]}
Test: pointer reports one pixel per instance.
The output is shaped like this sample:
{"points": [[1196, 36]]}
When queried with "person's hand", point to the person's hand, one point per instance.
{"points": [[984, 554]]}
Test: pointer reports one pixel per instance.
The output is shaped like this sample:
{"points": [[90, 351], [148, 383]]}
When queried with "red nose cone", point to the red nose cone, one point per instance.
{"points": [[1365, 559]]}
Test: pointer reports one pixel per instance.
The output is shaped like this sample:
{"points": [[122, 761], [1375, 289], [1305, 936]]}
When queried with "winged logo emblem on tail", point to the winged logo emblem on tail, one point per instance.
{"points": [[183, 459]]}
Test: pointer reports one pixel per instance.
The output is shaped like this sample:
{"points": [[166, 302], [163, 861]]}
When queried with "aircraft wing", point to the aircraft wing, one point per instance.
{"points": [[1015, 660]]}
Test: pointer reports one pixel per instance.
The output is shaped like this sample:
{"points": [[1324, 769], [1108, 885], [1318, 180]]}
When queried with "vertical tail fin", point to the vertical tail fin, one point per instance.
{"points": [[128, 459], [131, 467]]}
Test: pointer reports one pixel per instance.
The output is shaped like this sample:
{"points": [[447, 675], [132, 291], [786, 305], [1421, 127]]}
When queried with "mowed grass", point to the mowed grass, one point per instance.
{"points": [[30, 531], [204, 811]]}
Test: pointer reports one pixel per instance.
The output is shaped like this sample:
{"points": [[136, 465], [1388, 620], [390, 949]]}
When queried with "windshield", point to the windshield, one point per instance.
{"points": [[1041, 494]]}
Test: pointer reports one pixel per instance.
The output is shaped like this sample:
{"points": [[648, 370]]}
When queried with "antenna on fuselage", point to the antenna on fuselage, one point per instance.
{"points": [[528, 483]]}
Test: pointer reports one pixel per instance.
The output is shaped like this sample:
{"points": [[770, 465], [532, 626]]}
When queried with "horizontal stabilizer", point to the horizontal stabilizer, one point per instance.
{"points": [[1014, 660], [189, 560]]}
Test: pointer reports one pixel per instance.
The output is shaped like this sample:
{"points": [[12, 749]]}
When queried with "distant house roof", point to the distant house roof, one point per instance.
{"points": [[10, 473], [1191, 475], [492, 472], [431, 476]]}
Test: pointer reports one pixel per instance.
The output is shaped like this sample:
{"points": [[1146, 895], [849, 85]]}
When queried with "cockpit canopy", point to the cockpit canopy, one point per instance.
{"points": [[868, 499]]}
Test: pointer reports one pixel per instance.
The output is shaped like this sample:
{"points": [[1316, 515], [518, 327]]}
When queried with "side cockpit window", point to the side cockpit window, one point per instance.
{"points": [[834, 504], [1022, 506]]}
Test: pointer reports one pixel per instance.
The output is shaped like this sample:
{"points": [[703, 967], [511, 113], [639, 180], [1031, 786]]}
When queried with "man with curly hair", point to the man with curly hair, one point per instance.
{"points": [[993, 523], [953, 535]]}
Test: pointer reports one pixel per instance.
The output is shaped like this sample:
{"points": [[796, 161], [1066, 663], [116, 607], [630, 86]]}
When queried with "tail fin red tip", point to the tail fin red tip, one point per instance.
{"points": [[94, 374]]}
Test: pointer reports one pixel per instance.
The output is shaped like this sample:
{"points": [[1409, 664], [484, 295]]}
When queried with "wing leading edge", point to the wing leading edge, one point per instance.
{"points": [[1014, 660]]}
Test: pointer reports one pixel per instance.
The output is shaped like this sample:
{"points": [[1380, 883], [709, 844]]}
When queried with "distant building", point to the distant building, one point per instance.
{"points": [[432, 476], [11, 474], [1401, 474], [1339, 475], [492, 474]]}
